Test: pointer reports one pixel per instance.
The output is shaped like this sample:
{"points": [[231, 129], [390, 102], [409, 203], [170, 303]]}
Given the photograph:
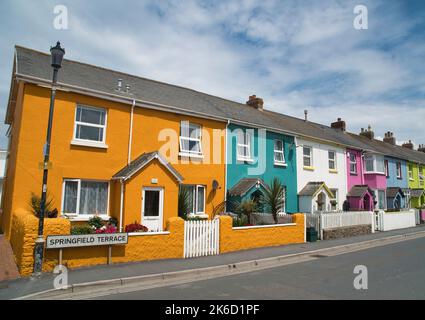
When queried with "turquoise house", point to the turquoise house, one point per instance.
{"points": [[254, 158]]}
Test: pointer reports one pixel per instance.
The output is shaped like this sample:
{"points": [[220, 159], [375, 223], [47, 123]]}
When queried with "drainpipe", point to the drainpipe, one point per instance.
{"points": [[225, 161], [361, 166], [122, 203], [131, 131]]}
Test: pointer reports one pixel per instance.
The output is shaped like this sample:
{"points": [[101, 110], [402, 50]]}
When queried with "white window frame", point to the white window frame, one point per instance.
{"points": [[420, 176], [374, 160], [87, 142], [334, 160], [310, 157], [77, 214], [399, 171], [282, 152], [387, 168], [194, 210], [283, 210], [410, 172], [247, 146], [335, 191], [190, 153], [353, 163]]}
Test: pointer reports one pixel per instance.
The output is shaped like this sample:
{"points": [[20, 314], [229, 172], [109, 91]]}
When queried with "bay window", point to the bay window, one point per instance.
{"points": [[279, 155], [85, 197], [190, 139], [374, 164]]}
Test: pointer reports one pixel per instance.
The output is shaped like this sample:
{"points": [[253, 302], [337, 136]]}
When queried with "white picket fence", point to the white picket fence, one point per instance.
{"points": [[395, 220], [323, 221], [201, 238]]}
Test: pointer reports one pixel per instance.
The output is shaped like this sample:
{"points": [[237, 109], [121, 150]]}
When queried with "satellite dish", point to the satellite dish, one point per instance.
{"points": [[215, 185]]}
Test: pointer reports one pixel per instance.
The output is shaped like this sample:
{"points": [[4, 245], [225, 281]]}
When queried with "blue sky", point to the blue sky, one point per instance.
{"points": [[296, 55]]}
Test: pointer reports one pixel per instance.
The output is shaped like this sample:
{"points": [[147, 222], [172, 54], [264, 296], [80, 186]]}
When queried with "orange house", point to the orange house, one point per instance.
{"points": [[121, 146]]}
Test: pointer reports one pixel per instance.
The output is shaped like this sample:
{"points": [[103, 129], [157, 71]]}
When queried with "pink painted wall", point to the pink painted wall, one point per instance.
{"points": [[376, 181], [354, 179]]}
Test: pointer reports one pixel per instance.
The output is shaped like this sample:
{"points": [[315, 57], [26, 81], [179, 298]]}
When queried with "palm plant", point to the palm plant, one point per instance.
{"points": [[273, 198], [184, 206]]}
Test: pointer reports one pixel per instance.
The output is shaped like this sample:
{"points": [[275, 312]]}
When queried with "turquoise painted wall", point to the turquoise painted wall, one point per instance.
{"points": [[263, 158]]}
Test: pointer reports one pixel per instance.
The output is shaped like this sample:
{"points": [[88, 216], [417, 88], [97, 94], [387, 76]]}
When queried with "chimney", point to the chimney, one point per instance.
{"points": [[127, 88], [389, 138], [408, 145], [339, 124], [368, 133], [255, 102], [421, 148], [306, 115]]}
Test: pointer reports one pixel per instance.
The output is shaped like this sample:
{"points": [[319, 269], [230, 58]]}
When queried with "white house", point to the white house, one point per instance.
{"points": [[321, 176]]}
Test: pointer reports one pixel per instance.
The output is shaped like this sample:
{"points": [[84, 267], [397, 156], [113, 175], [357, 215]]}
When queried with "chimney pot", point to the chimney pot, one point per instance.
{"points": [[368, 133], [389, 138], [306, 115], [339, 124], [421, 148], [408, 145], [255, 102]]}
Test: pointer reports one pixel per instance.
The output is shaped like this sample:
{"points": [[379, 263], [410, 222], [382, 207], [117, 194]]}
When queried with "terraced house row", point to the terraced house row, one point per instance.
{"points": [[114, 154]]}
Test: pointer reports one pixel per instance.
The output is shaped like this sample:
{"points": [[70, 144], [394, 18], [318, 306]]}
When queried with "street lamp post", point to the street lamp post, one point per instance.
{"points": [[57, 56]]}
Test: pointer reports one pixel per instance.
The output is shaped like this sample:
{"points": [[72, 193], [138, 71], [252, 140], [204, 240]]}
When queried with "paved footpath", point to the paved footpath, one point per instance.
{"points": [[8, 269], [24, 286]]}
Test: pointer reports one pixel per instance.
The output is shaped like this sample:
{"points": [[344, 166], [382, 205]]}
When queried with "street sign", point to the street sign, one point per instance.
{"points": [[86, 240]]}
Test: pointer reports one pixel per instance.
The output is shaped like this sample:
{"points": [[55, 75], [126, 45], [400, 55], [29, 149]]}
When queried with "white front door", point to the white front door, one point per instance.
{"points": [[152, 208]]}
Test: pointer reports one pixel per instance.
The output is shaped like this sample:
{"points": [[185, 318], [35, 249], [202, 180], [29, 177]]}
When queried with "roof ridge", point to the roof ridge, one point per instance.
{"points": [[131, 75]]}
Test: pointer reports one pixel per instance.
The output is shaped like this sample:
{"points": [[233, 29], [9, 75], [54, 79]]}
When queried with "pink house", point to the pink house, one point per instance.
{"points": [[366, 180]]}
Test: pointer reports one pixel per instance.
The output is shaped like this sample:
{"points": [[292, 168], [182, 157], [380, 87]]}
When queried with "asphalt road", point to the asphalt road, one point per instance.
{"points": [[395, 271]]}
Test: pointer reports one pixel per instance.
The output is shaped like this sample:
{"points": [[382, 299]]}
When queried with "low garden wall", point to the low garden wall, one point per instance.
{"points": [[396, 220], [242, 238], [140, 247], [346, 232]]}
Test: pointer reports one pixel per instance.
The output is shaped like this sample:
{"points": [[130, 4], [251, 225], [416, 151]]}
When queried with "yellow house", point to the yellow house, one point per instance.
{"points": [[121, 146]]}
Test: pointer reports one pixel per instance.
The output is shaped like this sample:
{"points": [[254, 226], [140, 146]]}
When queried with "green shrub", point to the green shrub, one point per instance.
{"points": [[83, 229], [96, 222]]}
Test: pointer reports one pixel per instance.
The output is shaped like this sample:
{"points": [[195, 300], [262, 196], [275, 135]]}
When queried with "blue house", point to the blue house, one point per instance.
{"points": [[397, 183], [254, 158]]}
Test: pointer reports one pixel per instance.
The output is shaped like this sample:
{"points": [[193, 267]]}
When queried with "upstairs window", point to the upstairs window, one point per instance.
{"points": [[190, 139], [244, 146], [90, 124], [307, 156], [279, 155], [387, 171], [421, 177], [353, 163], [374, 164], [410, 172], [399, 174], [332, 160]]}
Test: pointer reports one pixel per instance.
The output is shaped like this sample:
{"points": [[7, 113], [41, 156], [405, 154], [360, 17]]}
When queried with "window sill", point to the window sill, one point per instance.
{"points": [[280, 164], [200, 215], [245, 160], [91, 144], [353, 173], [77, 218], [333, 171], [376, 173], [308, 168], [191, 155]]}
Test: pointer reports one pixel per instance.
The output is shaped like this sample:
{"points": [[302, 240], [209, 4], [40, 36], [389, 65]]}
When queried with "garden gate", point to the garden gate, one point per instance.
{"points": [[201, 238]]}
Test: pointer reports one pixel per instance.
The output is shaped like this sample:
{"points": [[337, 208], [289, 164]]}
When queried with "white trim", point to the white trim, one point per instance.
{"points": [[281, 163], [198, 215], [160, 207], [246, 145], [87, 124], [266, 226], [190, 138], [197, 193], [334, 160], [191, 155], [89, 143], [130, 139], [77, 214], [311, 165], [136, 234], [352, 163], [84, 217]]}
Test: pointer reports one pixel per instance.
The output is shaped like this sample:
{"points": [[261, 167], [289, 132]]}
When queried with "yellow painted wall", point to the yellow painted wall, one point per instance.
{"points": [[68, 161], [250, 238]]}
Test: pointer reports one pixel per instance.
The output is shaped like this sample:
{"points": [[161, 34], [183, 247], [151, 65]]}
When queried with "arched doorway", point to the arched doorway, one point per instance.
{"points": [[367, 202], [321, 202], [256, 197]]}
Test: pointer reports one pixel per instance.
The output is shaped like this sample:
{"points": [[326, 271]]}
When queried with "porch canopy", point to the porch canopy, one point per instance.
{"points": [[361, 197], [244, 186], [395, 198], [416, 193], [315, 196], [136, 165], [311, 189]]}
